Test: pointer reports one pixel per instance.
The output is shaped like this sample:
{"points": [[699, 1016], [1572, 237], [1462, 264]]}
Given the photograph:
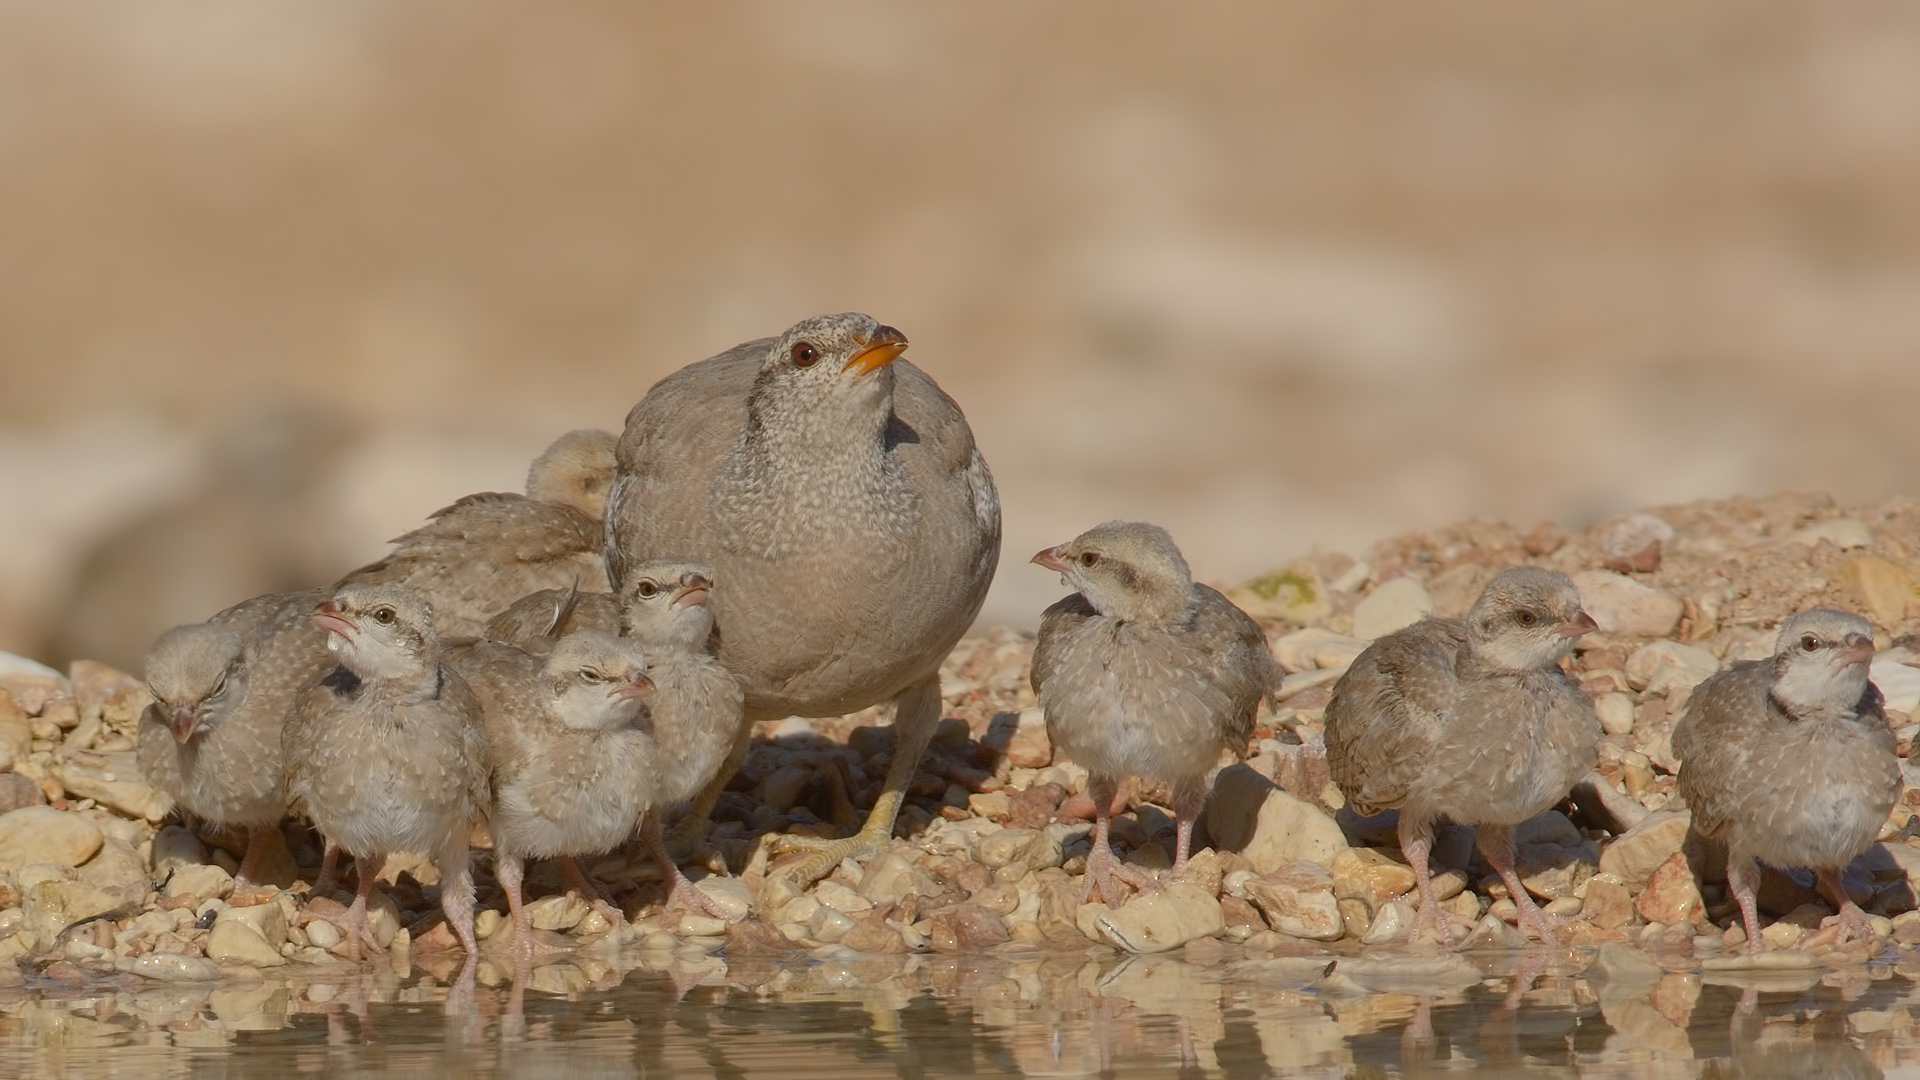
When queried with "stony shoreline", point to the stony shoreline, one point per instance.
{"points": [[96, 883]]}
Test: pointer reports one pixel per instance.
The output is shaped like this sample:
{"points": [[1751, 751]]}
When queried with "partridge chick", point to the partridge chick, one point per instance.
{"points": [[572, 766], [773, 463], [1790, 760], [387, 751], [479, 555], [695, 709], [1472, 720], [222, 692], [1142, 672]]}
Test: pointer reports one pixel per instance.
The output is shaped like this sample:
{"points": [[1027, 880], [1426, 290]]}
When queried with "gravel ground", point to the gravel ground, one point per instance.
{"points": [[99, 881]]}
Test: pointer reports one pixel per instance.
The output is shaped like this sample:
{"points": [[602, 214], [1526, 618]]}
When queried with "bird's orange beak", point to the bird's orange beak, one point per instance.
{"points": [[329, 616], [882, 349], [694, 590], [184, 720], [1050, 558], [1580, 624]]}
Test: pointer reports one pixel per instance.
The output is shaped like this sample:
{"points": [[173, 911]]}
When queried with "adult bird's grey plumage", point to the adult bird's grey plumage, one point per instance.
{"points": [[695, 710], [1472, 720], [473, 559], [387, 752], [572, 765], [223, 690], [1143, 672], [1789, 760], [839, 498]]}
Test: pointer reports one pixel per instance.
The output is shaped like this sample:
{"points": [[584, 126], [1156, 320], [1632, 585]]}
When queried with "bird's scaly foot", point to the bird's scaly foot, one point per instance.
{"points": [[827, 854], [1103, 868], [682, 895], [1852, 924]]}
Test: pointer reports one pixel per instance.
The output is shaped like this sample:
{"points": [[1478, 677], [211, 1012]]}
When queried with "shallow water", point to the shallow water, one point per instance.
{"points": [[693, 1013]]}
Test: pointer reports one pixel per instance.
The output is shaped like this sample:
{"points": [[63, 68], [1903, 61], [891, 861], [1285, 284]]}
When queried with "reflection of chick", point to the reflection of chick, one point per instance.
{"points": [[572, 769], [387, 753], [222, 691], [1142, 672], [1789, 760], [1472, 720], [486, 551], [850, 522]]}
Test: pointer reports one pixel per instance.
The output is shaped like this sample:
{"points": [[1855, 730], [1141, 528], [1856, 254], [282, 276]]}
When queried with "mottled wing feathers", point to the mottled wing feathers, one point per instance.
{"points": [[1389, 712], [1245, 671], [1056, 623]]}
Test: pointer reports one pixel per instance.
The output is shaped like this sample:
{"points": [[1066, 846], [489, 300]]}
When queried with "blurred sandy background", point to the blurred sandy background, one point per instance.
{"points": [[279, 279]]}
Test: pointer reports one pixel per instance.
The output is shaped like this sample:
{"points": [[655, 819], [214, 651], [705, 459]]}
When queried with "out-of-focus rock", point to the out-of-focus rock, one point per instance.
{"points": [[1392, 605], [1294, 593], [1621, 605], [1633, 543]]}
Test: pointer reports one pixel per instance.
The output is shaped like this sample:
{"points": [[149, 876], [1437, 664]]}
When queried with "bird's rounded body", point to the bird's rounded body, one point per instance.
{"points": [[1123, 698], [850, 573], [381, 769], [1810, 792], [694, 715], [1419, 726], [231, 771]]}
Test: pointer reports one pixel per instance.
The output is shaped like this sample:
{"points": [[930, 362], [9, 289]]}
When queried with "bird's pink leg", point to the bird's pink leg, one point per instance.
{"points": [[681, 895], [1102, 867], [1187, 802], [256, 847], [358, 929], [579, 882], [509, 871], [1416, 841], [1742, 878], [1496, 843], [329, 869], [456, 892], [1854, 924]]}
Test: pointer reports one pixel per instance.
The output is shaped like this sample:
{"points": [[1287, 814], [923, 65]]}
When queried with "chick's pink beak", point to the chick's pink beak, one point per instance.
{"points": [[1580, 624], [184, 720], [330, 617], [636, 687], [1050, 558], [695, 589], [1859, 650]]}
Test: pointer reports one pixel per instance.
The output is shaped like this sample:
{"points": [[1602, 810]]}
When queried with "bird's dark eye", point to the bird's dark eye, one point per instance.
{"points": [[1089, 558], [383, 615], [647, 590], [804, 354], [1525, 617], [1809, 642]]}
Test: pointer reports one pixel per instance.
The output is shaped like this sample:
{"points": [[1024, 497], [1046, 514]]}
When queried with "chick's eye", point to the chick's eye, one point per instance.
{"points": [[804, 354], [1525, 617], [647, 590], [592, 676], [383, 615], [1809, 642], [219, 687], [1090, 558]]}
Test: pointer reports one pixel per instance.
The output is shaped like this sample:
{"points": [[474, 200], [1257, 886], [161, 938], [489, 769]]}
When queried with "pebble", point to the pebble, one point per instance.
{"points": [[1621, 605], [1898, 682], [1844, 533], [1298, 901], [1392, 605], [1633, 857], [1670, 668], [1616, 712], [1392, 923], [232, 942], [1316, 649], [170, 968], [1157, 921], [1254, 817], [1634, 542], [1670, 895], [41, 834]]}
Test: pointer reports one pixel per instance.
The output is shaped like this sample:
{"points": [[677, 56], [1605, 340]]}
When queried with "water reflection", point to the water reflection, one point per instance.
{"points": [[1213, 1012]]}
